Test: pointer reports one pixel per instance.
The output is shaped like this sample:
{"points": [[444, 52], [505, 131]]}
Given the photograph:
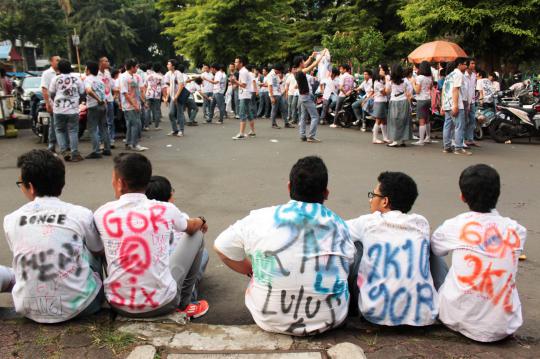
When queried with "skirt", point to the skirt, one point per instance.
{"points": [[399, 121], [423, 109], [379, 110]]}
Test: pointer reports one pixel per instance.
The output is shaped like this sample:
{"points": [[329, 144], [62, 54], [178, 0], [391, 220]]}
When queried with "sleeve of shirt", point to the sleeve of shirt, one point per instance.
{"points": [[356, 228], [458, 81], [179, 219], [52, 86], [230, 242], [91, 236], [87, 84], [522, 233], [81, 86], [124, 85], [443, 238], [7, 230], [180, 79]]}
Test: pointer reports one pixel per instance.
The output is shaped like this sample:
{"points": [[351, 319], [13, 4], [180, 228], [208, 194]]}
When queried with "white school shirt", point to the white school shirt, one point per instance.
{"points": [[244, 77], [451, 81], [173, 80], [66, 90], [479, 297], [367, 86], [130, 84], [394, 278], [487, 86], [329, 88], [221, 79], [106, 78], [275, 82], [94, 83], [470, 79], [425, 83], [291, 85], [378, 88], [206, 85], [193, 87], [46, 78], [398, 92], [154, 85], [50, 240], [347, 81], [261, 88], [300, 253], [136, 233]]}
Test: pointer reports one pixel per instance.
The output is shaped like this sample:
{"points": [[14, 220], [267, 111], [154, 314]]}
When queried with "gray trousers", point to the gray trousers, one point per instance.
{"points": [[207, 101], [293, 108], [282, 107], [192, 109], [133, 127], [219, 100], [308, 108], [97, 127], [154, 112], [184, 263]]}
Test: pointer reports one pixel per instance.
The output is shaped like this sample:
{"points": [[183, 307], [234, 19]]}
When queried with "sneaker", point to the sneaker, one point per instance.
{"points": [[196, 309], [76, 158], [172, 133], [276, 126], [106, 153], [288, 125], [447, 150], [66, 155], [124, 140], [180, 134], [93, 155], [472, 144], [313, 140], [220, 122], [418, 143], [462, 151], [113, 146], [138, 148], [378, 142], [195, 123], [333, 125], [237, 117], [252, 134], [523, 257], [189, 124], [363, 129], [303, 139], [157, 128], [146, 129], [356, 123], [239, 136]]}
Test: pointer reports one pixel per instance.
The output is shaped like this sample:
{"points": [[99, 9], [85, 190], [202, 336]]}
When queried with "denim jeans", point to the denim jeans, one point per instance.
{"points": [[236, 102], [455, 123], [67, 132], [51, 142], [97, 127], [278, 104], [219, 100], [470, 124], [154, 112], [133, 127], [308, 108], [357, 109], [293, 108], [244, 110], [176, 116], [253, 105], [207, 101], [339, 106], [264, 105], [192, 109], [325, 109], [110, 120]]}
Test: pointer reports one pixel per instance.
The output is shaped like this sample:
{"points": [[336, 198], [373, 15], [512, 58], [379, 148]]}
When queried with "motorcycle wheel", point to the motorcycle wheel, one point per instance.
{"points": [[498, 130], [345, 120], [478, 132], [45, 134]]}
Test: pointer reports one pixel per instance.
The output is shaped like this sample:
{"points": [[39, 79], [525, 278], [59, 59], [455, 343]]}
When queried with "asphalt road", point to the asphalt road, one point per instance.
{"points": [[224, 179]]}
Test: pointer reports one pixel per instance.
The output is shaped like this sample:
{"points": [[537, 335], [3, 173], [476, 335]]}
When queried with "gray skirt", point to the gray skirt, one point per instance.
{"points": [[399, 121], [379, 110], [423, 109]]}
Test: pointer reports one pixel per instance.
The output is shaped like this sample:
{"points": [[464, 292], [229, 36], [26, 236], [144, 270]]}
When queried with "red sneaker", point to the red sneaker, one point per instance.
{"points": [[196, 309]]}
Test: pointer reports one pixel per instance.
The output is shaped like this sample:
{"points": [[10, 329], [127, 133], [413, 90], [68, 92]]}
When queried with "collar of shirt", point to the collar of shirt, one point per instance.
{"points": [[129, 197]]}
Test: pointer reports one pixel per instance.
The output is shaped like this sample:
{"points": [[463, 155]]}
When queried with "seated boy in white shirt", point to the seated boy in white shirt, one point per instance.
{"points": [[479, 298], [145, 280], [53, 242], [392, 264]]}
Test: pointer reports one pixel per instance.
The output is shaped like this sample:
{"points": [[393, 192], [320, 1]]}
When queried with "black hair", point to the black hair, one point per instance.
{"points": [[215, 66], [134, 168], [346, 67], [469, 60], [143, 67], [249, 67], [159, 188], [396, 76], [279, 67], [400, 189], [115, 72], [385, 68], [64, 66], [368, 71], [181, 67], [242, 59], [480, 186], [198, 80], [156, 67], [309, 180], [173, 62], [482, 73], [130, 63], [424, 69], [44, 171], [335, 71], [494, 75], [376, 76], [297, 60], [93, 67], [460, 61], [2, 72]]}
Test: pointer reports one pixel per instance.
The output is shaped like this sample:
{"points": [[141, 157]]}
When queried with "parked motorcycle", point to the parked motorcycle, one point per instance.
{"points": [[41, 119], [515, 122], [345, 117]]}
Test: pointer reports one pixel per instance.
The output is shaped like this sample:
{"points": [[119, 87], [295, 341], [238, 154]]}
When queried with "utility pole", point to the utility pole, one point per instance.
{"points": [[76, 42]]}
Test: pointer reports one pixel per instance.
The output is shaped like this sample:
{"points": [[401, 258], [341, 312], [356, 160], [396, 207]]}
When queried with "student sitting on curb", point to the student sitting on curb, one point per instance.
{"points": [[479, 297], [144, 280], [394, 278], [54, 244]]}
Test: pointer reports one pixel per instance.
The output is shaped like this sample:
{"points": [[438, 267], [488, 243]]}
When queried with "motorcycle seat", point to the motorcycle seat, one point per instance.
{"points": [[529, 111]]}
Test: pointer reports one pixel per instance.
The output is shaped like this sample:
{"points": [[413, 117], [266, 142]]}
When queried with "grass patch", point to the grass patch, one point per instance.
{"points": [[107, 336]]}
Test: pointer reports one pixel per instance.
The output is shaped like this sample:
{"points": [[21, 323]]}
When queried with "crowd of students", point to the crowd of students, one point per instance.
{"points": [[308, 269]]}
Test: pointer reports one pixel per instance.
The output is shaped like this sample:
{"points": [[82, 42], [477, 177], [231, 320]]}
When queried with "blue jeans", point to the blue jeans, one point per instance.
{"points": [[456, 123], [280, 105], [236, 101], [219, 100], [264, 105], [207, 102], [293, 106], [192, 109], [308, 107], [154, 112], [176, 116], [357, 109], [133, 127], [470, 123], [52, 134], [110, 120], [244, 110], [97, 127], [339, 106], [66, 128]]}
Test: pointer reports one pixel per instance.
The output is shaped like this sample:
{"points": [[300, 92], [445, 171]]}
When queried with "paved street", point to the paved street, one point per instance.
{"points": [[224, 179]]}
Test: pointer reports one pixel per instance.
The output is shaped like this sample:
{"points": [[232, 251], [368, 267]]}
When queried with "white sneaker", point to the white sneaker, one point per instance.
{"points": [[124, 140], [180, 134], [138, 148], [239, 136], [172, 133], [418, 143], [333, 125], [157, 128]]}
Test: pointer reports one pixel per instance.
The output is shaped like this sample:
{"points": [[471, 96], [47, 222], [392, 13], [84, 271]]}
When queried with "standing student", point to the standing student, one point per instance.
{"points": [[291, 89], [46, 78], [174, 80], [423, 84], [380, 104], [245, 88], [305, 99], [130, 95], [219, 84], [105, 76], [399, 115], [193, 86], [207, 88], [367, 87], [274, 89], [470, 113], [154, 92], [96, 102], [328, 89], [265, 106]]}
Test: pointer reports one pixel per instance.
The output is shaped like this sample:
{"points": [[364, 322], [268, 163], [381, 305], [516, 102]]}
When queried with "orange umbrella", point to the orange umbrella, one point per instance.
{"points": [[437, 51]]}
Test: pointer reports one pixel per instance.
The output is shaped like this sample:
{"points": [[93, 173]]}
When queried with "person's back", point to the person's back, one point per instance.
{"points": [[479, 297], [394, 277], [299, 254]]}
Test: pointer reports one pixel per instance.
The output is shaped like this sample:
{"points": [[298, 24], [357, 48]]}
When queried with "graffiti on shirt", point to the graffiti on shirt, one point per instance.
{"points": [[388, 264], [494, 284]]}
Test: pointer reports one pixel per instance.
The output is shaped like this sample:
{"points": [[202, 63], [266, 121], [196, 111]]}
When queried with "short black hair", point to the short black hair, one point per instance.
{"points": [[335, 71], [480, 186], [159, 188], [93, 67], [346, 67], [397, 74], [64, 66], [400, 189], [45, 171], [368, 71], [130, 63], [279, 67], [198, 80], [297, 61], [134, 168], [424, 69], [309, 180], [242, 59], [156, 66], [482, 73], [460, 61], [173, 62], [181, 67]]}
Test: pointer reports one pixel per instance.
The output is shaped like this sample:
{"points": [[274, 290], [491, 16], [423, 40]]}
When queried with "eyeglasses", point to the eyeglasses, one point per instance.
{"points": [[372, 195], [19, 183]]}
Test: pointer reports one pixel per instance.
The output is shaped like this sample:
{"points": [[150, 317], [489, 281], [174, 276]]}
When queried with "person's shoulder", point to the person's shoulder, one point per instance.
{"points": [[105, 207], [77, 210]]}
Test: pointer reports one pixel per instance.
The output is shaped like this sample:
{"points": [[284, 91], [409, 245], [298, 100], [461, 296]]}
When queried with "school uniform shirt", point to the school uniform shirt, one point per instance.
{"points": [[136, 233], [173, 79], [221, 82], [451, 81], [329, 88], [275, 82], [487, 86], [154, 86], [398, 92], [95, 84], [470, 80], [130, 84], [394, 278], [291, 85], [425, 83], [66, 89], [50, 240], [347, 81], [262, 80], [479, 297], [206, 85], [367, 86], [244, 77], [378, 88], [300, 254], [193, 87], [46, 78], [108, 82]]}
